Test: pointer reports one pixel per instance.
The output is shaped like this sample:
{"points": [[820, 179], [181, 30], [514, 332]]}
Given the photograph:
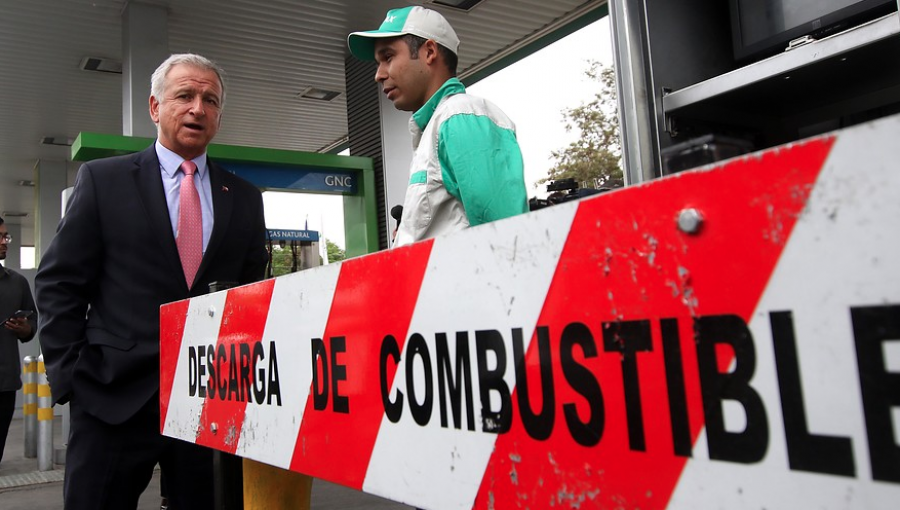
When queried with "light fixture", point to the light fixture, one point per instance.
{"points": [[52, 140], [462, 5], [318, 94], [101, 65], [14, 214], [336, 146], [26, 184]]}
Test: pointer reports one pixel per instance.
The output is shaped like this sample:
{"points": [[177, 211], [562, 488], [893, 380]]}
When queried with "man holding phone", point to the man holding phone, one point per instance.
{"points": [[17, 313]]}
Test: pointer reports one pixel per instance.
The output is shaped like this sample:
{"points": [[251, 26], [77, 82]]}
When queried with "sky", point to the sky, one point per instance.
{"points": [[533, 92]]}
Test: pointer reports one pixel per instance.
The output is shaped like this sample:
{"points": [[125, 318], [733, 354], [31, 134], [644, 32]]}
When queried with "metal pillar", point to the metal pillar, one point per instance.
{"points": [[145, 44], [397, 148], [228, 475], [51, 180], [387, 142], [44, 419], [636, 113], [29, 407], [228, 472]]}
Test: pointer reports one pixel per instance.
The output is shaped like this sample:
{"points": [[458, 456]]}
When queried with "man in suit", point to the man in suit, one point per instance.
{"points": [[141, 230]]}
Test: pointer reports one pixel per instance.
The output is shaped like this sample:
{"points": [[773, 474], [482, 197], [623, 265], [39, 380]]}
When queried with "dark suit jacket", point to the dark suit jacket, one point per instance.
{"points": [[112, 264]]}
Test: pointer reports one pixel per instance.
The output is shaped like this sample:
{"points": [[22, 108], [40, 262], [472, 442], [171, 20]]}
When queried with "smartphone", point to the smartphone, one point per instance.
{"points": [[21, 314]]}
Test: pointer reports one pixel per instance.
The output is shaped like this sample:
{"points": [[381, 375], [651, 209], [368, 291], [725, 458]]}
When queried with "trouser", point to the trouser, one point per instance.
{"points": [[109, 466], [7, 408]]}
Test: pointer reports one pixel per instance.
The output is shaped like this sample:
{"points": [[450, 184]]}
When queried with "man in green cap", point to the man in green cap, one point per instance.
{"points": [[466, 167]]}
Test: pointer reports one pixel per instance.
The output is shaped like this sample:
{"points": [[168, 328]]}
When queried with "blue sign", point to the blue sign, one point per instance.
{"points": [[296, 178], [310, 236]]}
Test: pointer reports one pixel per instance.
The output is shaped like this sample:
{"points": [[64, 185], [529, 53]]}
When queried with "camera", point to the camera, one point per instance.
{"points": [[562, 190]]}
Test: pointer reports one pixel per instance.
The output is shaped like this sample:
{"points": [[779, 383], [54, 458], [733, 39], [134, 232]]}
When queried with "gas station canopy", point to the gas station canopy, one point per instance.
{"points": [[285, 64]]}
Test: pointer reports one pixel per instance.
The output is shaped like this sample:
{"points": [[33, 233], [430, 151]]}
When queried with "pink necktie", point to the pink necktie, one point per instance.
{"points": [[190, 224]]}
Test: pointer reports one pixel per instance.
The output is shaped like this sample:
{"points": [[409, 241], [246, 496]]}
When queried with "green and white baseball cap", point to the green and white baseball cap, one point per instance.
{"points": [[413, 20]]}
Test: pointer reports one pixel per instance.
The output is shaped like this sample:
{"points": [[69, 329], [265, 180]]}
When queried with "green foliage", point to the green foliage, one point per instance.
{"points": [[594, 160], [282, 259], [335, 253], [282, 262]]}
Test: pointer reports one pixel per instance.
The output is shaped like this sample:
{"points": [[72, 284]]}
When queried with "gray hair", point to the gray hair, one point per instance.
{"points": [[158, 80]]}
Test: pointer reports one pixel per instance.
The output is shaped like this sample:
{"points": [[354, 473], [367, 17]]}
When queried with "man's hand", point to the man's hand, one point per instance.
{"points": [[19, 326]]}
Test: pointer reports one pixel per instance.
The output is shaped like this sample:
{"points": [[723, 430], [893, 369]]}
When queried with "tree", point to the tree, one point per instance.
{"points": [[282, 260], [335, 253], [594, 160], [283, 257]]}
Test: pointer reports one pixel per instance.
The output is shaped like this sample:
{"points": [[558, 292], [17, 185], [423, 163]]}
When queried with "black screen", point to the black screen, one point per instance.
{"points": [[761, 19], [764, 27]]}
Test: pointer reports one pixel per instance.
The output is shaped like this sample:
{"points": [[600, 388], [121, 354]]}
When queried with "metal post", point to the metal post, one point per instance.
{"points": [[634, 79], [228, 482], [44, 418], [227, 469], [29, 407]]}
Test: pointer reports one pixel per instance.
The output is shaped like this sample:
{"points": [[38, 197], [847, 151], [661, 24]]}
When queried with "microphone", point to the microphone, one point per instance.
{"points": [[397, 213]]}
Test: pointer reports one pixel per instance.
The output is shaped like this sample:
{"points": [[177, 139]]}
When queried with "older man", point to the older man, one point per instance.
{"points": [[141, 230]]}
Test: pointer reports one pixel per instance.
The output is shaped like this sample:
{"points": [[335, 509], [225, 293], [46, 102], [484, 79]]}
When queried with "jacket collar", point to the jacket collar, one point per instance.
{"points": [[423, 115], [147, 176], [170, 162], [221, 183]]}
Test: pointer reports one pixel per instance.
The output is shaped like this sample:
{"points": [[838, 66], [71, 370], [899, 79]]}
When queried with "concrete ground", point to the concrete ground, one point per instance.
{"points": [[23, 487]]}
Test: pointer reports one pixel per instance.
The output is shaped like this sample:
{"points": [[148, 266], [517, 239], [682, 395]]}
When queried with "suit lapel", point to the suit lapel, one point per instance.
{"points": [[150, 189], [223, 204]]}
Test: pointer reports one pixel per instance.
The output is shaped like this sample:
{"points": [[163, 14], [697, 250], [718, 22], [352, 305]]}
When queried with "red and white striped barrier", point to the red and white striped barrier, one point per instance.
{"points": [[722, 338]]}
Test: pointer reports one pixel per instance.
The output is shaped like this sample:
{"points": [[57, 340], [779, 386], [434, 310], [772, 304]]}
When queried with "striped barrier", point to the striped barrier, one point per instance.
{"points": [[721, 338], [44, 419], [29, 405]]}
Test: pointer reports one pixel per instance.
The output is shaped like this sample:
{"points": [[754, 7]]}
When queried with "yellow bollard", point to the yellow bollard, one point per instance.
{"points": [[270, 488], [44, 418], [29, 406]]}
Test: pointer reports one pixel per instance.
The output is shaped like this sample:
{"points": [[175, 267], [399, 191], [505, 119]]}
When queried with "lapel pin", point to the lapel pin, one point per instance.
{"points": [[225, 189]]}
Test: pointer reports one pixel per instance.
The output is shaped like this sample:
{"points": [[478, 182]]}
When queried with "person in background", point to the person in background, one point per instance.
{"points": [[17, 312], [142, 230], [467, 166]]}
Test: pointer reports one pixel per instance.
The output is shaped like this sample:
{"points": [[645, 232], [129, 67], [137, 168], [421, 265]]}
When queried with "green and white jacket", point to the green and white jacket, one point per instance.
{"points": [[466, 168]]}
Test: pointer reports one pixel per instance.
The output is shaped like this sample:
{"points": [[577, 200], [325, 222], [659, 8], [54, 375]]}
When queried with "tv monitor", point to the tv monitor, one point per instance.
{"points": [[761, 28]]}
